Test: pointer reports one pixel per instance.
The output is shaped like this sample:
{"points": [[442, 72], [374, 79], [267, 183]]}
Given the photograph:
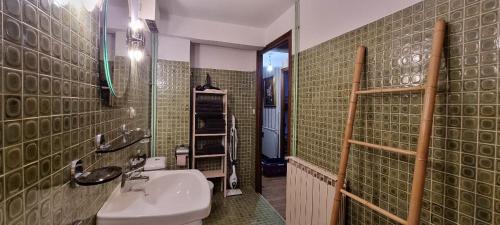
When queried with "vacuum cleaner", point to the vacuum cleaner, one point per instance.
{"points": [[233, 152]]}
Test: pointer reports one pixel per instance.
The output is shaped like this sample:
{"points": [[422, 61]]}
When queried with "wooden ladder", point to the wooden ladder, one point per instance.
{"points": [[421, 153]]}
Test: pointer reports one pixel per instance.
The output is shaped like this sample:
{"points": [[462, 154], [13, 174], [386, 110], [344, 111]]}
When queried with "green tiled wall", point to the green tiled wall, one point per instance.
{"points": [[463, 179], [241, 102], [51, 112], [173, 102]]}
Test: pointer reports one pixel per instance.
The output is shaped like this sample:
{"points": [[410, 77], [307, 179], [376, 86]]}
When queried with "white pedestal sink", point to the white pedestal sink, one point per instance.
{"points": [[170, 197]]}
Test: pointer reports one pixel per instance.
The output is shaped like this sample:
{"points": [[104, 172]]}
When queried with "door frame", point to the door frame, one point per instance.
{"points": [[285, 38], [282, 113]]}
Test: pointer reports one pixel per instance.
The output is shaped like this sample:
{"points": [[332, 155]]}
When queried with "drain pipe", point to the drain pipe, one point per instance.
{"points": [[295, 77]]}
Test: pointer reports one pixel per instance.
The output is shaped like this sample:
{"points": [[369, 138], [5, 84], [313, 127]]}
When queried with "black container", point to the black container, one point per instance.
{"points": [[273, 167]]}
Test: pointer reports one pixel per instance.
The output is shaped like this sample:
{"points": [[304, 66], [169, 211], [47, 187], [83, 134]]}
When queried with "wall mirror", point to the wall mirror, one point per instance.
{"points": [[122, 51]]}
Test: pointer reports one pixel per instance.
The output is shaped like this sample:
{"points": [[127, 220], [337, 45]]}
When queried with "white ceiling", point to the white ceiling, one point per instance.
{"points": [[255, 13]]}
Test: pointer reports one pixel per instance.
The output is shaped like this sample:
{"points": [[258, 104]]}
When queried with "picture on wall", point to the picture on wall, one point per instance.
{"points": [[269, 92]]}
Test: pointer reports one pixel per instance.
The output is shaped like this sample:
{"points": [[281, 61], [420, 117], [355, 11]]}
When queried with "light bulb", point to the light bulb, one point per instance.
{"points": [[131, 54], [135, 24], [138, 55], [60, 3], [270, 65], [269, 68], [90, 4], [135, 54]]}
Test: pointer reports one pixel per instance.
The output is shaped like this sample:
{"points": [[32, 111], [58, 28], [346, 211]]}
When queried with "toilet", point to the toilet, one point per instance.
{"points": [[211, 185], [155, 163]]}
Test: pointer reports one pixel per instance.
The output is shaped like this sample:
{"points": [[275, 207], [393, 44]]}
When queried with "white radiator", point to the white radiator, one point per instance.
{"points": [[309, 194]]}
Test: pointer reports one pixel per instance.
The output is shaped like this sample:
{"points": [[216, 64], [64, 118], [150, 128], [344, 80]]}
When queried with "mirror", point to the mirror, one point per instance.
{"points": [[116, 65]]}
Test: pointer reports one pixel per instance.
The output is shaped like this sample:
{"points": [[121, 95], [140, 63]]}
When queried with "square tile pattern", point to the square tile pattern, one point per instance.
{"points": [[50, 112], [240, 87], [247, 209], [463, 176], [173, 108]]}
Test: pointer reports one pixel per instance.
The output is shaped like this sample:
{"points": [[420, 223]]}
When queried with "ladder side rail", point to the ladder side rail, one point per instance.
{"points": [[418, 183], [353, 99], [373, 207]]}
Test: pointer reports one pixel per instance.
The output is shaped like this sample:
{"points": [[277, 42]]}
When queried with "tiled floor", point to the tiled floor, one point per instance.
{"points": [[274, 191], [247, 209]]}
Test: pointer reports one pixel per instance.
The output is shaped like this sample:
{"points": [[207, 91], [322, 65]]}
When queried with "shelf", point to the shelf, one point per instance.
{"points": [[218, 112], [212, 92], [210, 156], [99, 176], [124, 141], [210, 113], [210, 135], [213, 173]]}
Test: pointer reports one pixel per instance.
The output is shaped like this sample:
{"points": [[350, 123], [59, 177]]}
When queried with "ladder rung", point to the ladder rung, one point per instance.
{"points": [[374, 207], [386, 148], [390, 90]]}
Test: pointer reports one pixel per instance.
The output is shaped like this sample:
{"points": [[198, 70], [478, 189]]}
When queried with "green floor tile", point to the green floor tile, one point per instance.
{"points": [[247, 209]]}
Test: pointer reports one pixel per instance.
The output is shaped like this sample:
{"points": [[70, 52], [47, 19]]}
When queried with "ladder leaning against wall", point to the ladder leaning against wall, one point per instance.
{"points": [[421, 153]]}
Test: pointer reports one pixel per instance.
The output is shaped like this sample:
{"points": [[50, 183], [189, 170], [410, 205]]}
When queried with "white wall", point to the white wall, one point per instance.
{"points": [[118, 17], [281, 25], [175, 49], [322, 20], [217, 57], [212, 32], [120, 43]]}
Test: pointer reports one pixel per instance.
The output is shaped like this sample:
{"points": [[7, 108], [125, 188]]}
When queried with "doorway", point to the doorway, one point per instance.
{"points": [[273, 119]]}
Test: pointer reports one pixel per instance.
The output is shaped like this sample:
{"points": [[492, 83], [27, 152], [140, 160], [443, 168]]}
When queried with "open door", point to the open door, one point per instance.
{"points": [[272, 120]]}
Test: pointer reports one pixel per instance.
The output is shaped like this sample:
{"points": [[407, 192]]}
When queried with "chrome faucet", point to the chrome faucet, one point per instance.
{"points": [[124, 132], [135, 174]]}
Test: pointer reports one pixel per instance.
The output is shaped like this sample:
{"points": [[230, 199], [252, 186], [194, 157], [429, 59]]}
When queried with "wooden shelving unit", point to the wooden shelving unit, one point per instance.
{"points": [[210, 156], [220, 173], [210, 135], [214, 174]]}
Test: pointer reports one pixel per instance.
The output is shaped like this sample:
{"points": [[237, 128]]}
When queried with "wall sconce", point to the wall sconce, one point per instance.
{"points": [[60, 3], [91, 4], [135, 40], [87, 4]]}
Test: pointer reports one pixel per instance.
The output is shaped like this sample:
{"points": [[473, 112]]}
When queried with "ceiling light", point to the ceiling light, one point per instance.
{"points": [[60, 3], [269, 66]]}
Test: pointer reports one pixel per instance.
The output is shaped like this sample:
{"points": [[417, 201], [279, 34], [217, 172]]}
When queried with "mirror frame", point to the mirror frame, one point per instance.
{"points": [[105, 48]]}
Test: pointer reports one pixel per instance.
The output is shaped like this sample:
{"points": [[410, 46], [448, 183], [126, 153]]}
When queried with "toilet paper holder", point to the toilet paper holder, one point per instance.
{"points": [[182, 156]]}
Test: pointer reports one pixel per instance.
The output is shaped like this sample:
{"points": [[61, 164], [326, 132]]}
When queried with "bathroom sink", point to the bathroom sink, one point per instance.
{"points": [[170, 197]]}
